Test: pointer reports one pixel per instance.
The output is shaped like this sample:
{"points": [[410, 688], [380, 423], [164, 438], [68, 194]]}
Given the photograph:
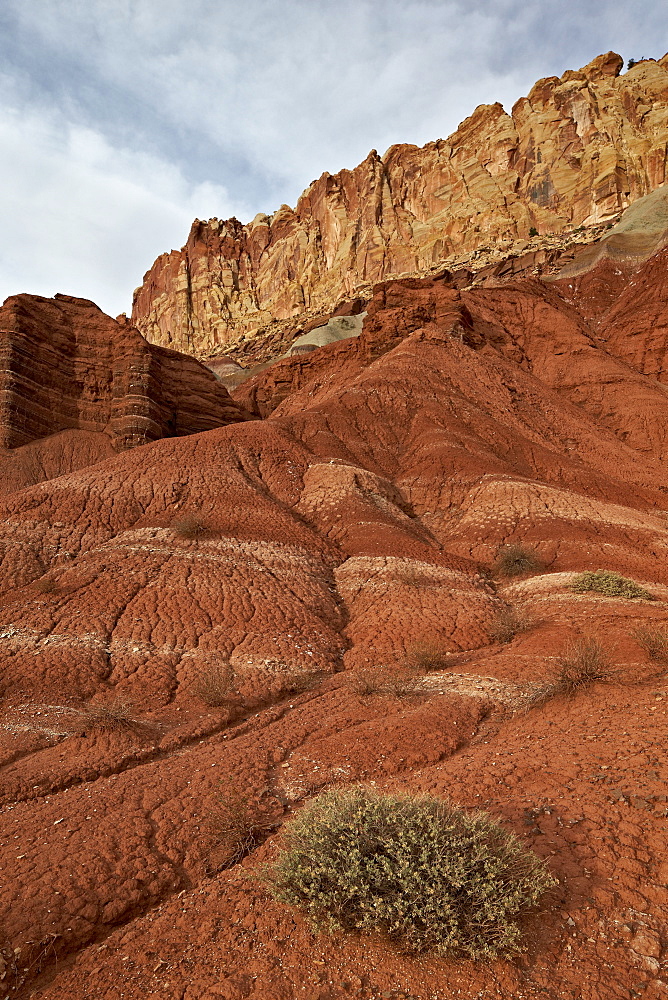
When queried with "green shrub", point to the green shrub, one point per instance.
{"points": [[533, 231], [418, 870], [515, 560], [605, 581]]}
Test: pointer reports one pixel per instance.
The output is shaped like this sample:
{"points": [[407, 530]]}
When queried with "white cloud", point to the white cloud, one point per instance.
{"points": [[133, 116], [82, 217]]}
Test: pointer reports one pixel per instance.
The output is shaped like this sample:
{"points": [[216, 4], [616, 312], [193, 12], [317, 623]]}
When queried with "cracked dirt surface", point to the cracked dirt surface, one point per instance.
{"points": [[359, 518]]}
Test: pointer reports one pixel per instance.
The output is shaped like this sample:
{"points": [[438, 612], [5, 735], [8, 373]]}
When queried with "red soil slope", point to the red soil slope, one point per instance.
{"points": [[361, 516]]}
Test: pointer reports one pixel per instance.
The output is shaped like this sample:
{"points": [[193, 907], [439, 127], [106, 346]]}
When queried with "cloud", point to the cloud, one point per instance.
{"points": [[132, 116], [86, 218]]}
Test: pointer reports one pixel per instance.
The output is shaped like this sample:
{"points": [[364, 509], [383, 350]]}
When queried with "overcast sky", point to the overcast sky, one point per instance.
{"points": [[122, 120]]}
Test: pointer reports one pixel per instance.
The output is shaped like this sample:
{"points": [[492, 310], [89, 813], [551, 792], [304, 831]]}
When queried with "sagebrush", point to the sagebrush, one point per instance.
{"points": [[418, 870], [606, 581]]}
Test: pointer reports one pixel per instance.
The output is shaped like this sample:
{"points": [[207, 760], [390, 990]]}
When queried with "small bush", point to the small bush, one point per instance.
{"points": [[428, 656], [515, 560], [509, 622], [216, 684], [188, 527], [46, 585], [533, 231], [605, 581], [111, 716], [654, 642], [398, 682], [584, 662], [234, 828], [420, 871]]}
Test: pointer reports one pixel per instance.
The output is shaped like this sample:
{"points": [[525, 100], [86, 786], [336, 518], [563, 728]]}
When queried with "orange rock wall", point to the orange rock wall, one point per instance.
{"points": [[578, 149]]}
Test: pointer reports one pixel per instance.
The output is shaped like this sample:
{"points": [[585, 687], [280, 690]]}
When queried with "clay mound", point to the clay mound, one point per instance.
{"points": [[360, 518], [66, 365]]}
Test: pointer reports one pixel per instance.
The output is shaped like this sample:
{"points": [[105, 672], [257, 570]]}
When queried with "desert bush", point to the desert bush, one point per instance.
{"points": [[233, 827], [583, 662], [46, 585], [188, 526], [508, 622], [413, 867], [605, 581], [216, 683], [533, 231], [515, 560], [654, 641], [398, 682], [111, 716], [428, 656]]}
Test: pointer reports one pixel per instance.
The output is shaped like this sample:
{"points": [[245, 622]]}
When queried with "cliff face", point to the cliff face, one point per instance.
{"points": [[578, 149], [66, 365]]}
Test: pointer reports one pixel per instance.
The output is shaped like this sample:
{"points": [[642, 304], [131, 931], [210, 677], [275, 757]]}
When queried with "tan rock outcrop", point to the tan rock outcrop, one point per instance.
{"points": [[577, 150]]}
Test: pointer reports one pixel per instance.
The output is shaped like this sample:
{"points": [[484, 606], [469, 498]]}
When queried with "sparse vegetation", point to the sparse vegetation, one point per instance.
{"points": [[426, 657], [533, 231], [605, 581], [584, 662], [188, 527], [508, 622], [654, 641], [216, 684], [111, 716], [399, 682], [233, 826], [516, 560], [416, 869]]}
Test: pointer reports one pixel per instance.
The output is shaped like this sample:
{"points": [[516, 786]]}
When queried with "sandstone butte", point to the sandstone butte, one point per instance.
{"points": [[354, 520], [577, 150]]}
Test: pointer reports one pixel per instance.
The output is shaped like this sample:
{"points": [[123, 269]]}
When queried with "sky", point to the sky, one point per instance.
{"points": [[123, 120]]}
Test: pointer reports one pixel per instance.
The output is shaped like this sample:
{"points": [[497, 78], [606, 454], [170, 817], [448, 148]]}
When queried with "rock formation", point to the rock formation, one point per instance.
{"points": [[68, 366], [578, 149]]}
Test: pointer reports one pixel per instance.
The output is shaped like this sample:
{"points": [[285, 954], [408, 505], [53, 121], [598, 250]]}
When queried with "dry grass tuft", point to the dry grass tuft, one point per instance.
{"points": [[426, 657], [397, 682], [189, 527], [654, 641], [584, 662], [509, 622], [234, 828], [112, 716], [516, 560], [216, 684]]}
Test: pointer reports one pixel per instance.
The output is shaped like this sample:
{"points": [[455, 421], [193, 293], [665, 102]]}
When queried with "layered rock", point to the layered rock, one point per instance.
{"points": [[68, 366], [577, 150]]}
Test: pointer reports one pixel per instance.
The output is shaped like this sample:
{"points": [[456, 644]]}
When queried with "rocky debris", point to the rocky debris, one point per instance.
{"points": [[577, 150], [66, 366]]}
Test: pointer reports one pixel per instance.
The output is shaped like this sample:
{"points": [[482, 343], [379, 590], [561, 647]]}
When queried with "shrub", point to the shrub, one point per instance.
{"points": [[605, 581], [413, 867], [188, 526], [398, 682], [515, 560], [233, 827], [584, 661], [46, 585], [654, 642], [215, 684], [509, 622], [112, 716], [533, 231], [427, 656]]}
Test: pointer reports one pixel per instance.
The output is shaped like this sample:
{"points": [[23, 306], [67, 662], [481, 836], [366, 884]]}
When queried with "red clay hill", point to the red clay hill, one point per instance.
{"points": [[198, 619]]}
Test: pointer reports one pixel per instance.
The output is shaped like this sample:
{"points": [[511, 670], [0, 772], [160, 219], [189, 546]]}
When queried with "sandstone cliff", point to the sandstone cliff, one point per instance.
{"points": [[577, 150], [66, 365]]}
